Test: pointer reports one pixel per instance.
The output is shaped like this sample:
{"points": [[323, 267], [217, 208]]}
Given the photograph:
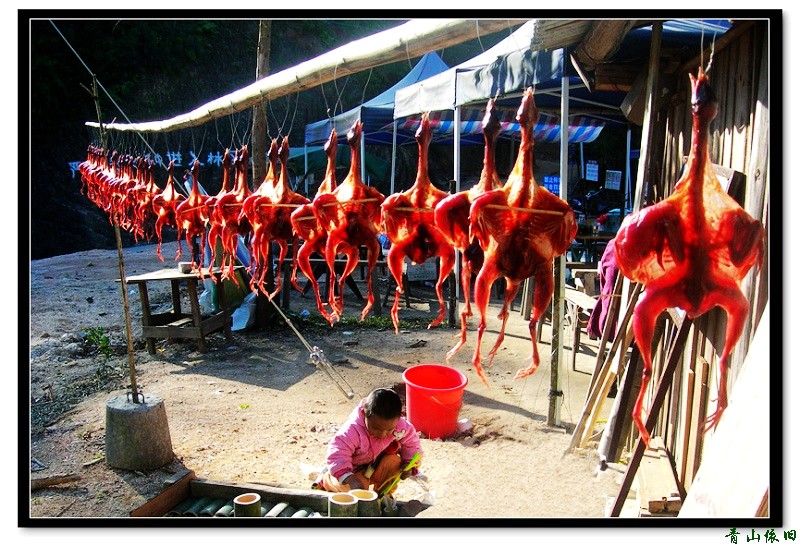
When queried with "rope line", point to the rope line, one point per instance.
{"points": [[100, 85]]}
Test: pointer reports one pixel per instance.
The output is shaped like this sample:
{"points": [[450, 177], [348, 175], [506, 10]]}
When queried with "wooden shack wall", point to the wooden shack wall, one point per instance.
{"points": [[740, 140]]}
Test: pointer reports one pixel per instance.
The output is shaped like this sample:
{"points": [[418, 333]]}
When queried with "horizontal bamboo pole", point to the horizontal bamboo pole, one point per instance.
{"points": [[288, 205], [523, 209], [351, 202], [413, 209], [406, 41]]}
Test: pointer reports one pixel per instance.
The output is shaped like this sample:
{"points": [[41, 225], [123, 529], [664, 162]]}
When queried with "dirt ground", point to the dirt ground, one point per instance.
{"points": [[257, 410]]}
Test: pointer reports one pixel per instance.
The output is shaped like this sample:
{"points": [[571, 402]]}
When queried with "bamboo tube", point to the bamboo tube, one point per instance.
{"points": [[369, 505], [342, 505], [247, 505]]}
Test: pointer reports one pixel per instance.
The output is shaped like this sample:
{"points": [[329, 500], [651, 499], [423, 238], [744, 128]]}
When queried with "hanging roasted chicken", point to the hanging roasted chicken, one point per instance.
{"points": [[351, 215], [452, 219], [271, 211], [521, 227], [690, 251], [307, 227], [409, 225]]}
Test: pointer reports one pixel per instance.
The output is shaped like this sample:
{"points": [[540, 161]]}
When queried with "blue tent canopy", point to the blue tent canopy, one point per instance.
{"points": [[547, 128], [377, 112]]}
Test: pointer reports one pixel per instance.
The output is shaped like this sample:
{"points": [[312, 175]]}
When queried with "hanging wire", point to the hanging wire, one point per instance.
{"points": [[711, 53], [100, 85], [478, 33], [294, 114], [364, 91]]}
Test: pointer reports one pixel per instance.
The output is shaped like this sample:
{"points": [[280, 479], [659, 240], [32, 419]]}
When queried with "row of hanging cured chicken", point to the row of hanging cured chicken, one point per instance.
{"points": [[689, 251]]}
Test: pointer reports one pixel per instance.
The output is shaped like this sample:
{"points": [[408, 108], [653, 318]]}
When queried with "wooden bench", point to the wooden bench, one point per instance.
{"points": [[579, 307]]}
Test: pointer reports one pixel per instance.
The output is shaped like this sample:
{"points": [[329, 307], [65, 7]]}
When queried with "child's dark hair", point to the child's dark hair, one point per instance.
{"points": [[383, 403]]}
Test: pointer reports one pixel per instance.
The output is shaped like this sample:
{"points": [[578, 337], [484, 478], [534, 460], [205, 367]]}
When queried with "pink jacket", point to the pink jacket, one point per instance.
{"points": [[353, 445]]}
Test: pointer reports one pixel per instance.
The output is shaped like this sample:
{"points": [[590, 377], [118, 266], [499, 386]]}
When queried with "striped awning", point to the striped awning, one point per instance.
{"points": [[547, 129]]}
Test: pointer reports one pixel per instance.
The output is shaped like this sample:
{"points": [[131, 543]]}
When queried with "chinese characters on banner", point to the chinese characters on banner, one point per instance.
{"points": [[212, 158]]}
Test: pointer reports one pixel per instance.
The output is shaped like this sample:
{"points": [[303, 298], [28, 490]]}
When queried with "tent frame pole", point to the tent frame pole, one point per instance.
{"points": [[305, 166], [628, 194], [557, 349], [394, 155], [457, 178], [364, 159]]}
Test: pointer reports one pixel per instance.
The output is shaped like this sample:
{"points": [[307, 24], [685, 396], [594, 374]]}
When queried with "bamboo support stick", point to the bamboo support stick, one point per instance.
{"points": [[609, 325], [523, 209], [121, 262], [414, 209], [351, 202], [594, 391], [42, 483], [675, 354]]}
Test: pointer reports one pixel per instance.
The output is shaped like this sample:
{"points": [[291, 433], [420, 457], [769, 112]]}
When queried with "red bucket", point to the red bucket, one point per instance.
{"points": [[433, 398]]}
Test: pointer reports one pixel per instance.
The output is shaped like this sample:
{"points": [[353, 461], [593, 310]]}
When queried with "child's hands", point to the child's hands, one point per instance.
{"points": [[355, 481]]}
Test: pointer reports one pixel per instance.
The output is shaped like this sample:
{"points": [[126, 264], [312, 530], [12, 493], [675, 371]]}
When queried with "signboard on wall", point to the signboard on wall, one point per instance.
{"points": [[613, 180], [592, 171]]}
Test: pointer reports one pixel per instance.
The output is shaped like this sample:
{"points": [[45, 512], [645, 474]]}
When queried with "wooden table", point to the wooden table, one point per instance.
{"points": [[594, 244], [175, 324]]}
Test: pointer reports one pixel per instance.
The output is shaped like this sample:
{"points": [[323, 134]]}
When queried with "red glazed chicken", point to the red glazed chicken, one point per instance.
{"points": [[252, 210], [409, 224], [351, 214], [452, 219], [164, 205], [691, 251], [191, 217], [307, 227], [214, 216], [521, 227], [228, 213], [272, 212]]}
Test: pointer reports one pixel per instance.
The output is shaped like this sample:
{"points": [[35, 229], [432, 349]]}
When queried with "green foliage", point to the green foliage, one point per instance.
{"points": [[99, 340]]}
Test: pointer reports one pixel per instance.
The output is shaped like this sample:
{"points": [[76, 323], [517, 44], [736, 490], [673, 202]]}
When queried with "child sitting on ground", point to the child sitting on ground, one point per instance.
{"points": [[374, 445]]}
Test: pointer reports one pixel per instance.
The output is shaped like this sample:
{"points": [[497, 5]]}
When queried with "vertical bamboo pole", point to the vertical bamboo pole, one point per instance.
{"points": [[125, 302]]}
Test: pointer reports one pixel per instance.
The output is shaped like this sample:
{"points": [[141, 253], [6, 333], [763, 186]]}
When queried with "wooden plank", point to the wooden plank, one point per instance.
{"points": [[664, 384], [172, 332], [318, 500], [181, 322], [166, 500], [406, 41], [615, 77], [713, 492], [598, 379], [694, 449], [658, 488], [683, 452]]}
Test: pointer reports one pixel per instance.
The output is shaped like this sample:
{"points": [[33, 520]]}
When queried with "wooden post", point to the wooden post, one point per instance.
{"points": [[258, 141], [125, 302], [649, 115]]}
